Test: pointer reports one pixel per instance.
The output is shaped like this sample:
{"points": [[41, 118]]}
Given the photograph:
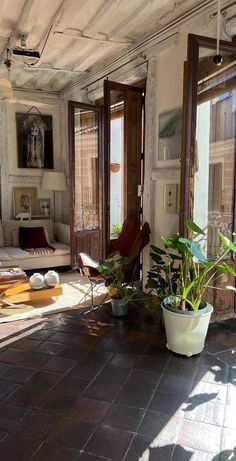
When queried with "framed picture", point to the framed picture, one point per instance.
{"points": [[44, 206], [25, 200], [34, 140], [170, 130]]}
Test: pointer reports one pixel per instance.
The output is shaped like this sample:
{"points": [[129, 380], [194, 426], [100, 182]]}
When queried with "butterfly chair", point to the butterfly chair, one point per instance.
{"points": [[130, 243]]}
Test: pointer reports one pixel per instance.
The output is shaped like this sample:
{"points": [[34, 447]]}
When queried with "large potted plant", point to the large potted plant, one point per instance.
{"points": [[180, 276], [120, 291]]}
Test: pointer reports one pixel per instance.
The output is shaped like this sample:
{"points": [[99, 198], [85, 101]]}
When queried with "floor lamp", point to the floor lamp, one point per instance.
{"points": [[55, 181]]}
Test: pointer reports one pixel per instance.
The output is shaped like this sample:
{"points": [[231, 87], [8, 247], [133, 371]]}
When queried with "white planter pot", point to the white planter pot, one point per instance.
{"points": [[186, 330], [118, 309]]}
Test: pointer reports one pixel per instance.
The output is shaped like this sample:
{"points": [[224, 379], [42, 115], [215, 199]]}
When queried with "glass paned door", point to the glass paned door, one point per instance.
{"points": [[85, 161]]}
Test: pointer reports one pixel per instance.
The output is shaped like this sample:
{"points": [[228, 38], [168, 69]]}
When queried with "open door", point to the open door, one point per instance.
{"points": [[85, 163], [123, 146]]}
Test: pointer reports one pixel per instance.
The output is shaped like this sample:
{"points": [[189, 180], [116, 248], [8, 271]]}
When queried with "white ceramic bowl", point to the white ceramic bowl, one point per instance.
{"points": [[36, 281], [51, 278]]}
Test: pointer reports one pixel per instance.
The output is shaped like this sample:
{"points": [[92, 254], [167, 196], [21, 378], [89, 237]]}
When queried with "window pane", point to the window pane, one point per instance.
{"points": [[86, 170]]}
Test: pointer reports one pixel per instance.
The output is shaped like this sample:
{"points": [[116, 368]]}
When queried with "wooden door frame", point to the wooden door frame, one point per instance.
{"points": [[110, 85], [71, 139]]}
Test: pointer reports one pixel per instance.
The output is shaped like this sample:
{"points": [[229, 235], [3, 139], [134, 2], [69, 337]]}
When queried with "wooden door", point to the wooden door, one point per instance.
{"points": [[85, 179], [122, 156]]}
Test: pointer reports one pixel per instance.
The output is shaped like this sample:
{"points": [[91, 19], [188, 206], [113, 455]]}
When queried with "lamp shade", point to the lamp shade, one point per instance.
{"points": [[53, 180]]}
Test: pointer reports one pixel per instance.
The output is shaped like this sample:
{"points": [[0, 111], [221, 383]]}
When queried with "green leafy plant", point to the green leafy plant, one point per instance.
{"points": [[115, 267], [185, 274], [116, 230]]}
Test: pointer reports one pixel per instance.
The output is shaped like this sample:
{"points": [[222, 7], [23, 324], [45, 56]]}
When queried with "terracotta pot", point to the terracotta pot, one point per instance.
{"points": [[115, 167]]}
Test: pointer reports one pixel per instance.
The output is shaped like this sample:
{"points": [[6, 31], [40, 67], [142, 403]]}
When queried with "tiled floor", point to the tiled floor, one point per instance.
{"points": [[86, 391]]}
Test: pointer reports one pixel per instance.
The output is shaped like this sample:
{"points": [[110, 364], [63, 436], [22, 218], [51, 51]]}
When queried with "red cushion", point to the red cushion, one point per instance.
{"points": [[32, 237]]}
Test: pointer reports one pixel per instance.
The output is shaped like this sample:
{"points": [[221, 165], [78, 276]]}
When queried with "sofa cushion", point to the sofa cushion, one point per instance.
{"points": [[10, 225], [12, 254], [15, 237], [63, 233], [32, 237]]}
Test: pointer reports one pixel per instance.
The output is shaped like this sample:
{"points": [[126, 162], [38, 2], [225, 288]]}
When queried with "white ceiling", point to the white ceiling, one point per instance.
{"points": [[74, 37]]}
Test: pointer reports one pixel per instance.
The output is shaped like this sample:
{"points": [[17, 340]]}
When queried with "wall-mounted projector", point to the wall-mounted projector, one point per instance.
{"points": [[27, 53]]}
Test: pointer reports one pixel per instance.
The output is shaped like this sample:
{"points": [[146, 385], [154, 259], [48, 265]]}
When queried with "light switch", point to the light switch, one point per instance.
{"points": [[170, 198]]}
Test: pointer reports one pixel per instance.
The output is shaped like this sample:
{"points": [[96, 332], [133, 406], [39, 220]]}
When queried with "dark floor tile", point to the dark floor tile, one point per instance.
{"points": [[158, 350], [210, 360], [123, 417], [36, 425], [219, 340], [200, 436], [27, 397], [49, 452], [185, 371], [33, 360], [206, 412], [161, 428], [146, 362], [10, 416], [124, 360], [62, 338], [137, 396], [228, 357], [143, 378], [73, 352], [12, 356], [215, 374], [71, 433], [58, 402], [18, 448], [102, 390], [43, 379], [88, 457], [181, 384], [178, 359], [113, 374], [26, 344], [141, 450], [2, 435], [109, 443], [58, 364], [41, 334], [51, 348], [86, 369], [90, 410], [168, 403], [71, 385], [3, 368], [17, 374], [6, 387]]}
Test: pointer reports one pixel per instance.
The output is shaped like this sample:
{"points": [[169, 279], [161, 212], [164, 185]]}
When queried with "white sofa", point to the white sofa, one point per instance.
{"points": [[58, 236]]}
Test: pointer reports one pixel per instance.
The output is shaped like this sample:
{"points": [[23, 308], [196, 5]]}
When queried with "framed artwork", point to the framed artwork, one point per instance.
{"points": [[44, 206], [34, 140], [25, 200], [170, 130]]}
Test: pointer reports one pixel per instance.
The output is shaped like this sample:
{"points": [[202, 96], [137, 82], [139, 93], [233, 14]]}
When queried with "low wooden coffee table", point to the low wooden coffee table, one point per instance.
{"points": [[22, 293]]}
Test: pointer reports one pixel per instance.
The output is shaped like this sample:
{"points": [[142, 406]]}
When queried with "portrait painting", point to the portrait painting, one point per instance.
{"points": [[34, 140], [25, 200], [170, 130]]}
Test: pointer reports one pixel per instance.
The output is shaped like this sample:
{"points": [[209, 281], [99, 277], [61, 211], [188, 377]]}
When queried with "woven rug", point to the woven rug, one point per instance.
{"points": [[74, 289]]}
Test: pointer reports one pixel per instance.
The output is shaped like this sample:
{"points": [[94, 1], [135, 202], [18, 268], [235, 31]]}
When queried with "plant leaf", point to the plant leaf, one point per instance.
{"points": [[227, 243], [194, 227], [158, 250]]}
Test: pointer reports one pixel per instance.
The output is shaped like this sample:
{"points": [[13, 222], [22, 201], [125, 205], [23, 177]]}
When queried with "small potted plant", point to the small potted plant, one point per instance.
{"points": [[120, 292], [180, 279]]}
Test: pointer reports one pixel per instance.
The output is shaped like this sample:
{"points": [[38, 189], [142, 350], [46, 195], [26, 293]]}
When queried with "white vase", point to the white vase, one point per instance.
{"points": [[51, 278], [36, 281], [186, 330]]}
